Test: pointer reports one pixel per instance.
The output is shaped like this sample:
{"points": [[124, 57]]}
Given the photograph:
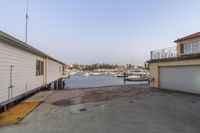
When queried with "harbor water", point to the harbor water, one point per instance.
{"points": [[80, 81]]}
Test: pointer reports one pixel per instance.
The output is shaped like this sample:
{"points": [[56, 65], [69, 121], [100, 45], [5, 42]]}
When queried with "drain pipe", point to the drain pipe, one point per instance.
{"points": [[10, 88]]}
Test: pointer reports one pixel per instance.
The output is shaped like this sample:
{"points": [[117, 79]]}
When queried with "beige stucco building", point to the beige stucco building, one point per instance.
{"points": [[177, 68]]}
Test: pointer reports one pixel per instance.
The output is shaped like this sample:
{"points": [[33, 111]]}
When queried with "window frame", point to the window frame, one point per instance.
{"points": [[187, 48], [192, 47], [195, 46], [39, 68]]}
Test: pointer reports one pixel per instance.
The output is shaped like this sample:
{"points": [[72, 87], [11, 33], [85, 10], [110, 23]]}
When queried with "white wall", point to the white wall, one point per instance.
{"points": [[24, 71], [53, 71]]}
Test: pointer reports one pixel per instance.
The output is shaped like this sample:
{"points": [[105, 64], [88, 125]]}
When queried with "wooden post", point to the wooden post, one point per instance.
{"points": [[124, 78], [63, 84], [57, 82], [55, 86], [59, 85]]}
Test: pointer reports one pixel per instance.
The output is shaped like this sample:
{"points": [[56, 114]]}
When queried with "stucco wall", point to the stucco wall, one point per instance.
{"points": [[154, 72]]}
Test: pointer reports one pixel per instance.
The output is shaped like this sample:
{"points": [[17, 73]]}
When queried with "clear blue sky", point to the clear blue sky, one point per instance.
{"points": [[110, 31]]}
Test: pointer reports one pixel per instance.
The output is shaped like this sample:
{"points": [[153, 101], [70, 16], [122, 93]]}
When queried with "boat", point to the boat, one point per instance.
{"points": [[72, 73], [133, 77], [111, 73], [86, 74], [114, 75], [95, 74], [120, 75], [136, 77]]}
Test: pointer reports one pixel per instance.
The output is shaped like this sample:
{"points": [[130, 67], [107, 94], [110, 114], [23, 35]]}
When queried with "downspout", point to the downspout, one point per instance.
{"points": [[10, 88], [46, 71]]}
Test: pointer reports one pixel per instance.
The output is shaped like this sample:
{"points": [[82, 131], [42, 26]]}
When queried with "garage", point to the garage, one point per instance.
{"points": [[182, 78]]}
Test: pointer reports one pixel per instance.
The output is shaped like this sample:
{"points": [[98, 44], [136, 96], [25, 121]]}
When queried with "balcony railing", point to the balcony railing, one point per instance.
{"points": [[170, 52]]}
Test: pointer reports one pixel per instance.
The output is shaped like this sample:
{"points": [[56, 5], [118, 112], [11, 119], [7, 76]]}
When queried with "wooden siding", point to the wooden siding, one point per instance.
{"points": [[24, 71], [53, 71]]}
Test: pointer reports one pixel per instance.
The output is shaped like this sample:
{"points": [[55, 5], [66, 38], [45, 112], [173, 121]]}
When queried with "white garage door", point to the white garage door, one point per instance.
{"points": [[184, 78]]}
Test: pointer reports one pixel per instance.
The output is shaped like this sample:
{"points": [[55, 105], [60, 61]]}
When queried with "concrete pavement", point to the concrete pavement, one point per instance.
{"points": [[118, 109]]}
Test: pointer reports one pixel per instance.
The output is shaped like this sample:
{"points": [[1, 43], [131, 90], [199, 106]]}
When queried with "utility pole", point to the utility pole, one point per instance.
{"points": [[26, 39]]}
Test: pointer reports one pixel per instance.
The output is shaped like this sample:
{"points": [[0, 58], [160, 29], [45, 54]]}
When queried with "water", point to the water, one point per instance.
{"points": [[79, 81]]}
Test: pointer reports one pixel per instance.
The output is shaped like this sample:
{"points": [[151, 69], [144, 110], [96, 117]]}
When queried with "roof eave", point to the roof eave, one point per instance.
{"points": [[26, 47], [180, 40]]}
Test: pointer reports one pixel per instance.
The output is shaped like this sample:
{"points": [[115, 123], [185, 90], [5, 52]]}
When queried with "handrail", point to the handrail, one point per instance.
{"points": [[170, 52]]}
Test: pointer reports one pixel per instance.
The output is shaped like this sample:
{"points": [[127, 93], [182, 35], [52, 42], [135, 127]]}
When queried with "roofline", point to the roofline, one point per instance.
{"points": [[26, 46], [179, 40]]}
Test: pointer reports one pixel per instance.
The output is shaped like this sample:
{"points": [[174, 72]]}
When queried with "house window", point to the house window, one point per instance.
{"points": [[187, 47], [195, 47], [39, 68], [192, 47]]}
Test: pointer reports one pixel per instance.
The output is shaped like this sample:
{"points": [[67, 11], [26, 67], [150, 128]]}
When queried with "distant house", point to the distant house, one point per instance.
{"points": [[177, 68], [24, 69]]}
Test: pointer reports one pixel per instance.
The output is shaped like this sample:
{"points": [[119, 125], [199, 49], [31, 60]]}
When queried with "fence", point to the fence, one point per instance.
{"points": [[170, 52]]}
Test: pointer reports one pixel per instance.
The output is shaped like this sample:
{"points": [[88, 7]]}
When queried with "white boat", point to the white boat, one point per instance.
{"points": [[114, 75], [134, 77], [95, 74], [72, 73], [86, 74]]}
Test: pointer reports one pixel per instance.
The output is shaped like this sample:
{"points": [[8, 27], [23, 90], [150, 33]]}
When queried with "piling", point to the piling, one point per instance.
{"points": [[61, 83], [54, 85]]}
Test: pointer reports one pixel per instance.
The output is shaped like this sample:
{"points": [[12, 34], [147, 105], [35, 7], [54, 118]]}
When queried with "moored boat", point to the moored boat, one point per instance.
{"points": [[86, 74], [95, 74]]}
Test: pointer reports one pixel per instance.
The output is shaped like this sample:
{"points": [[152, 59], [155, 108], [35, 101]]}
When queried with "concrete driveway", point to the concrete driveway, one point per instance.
{"points": [[117, 109]]}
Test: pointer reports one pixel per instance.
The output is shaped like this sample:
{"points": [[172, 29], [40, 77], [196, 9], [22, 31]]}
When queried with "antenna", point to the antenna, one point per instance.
{"points": [[26, 21]]}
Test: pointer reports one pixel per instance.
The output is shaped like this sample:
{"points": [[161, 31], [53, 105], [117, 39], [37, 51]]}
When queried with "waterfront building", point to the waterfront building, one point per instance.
{"points": [[24, 69], [122, 66], [177, 68]]}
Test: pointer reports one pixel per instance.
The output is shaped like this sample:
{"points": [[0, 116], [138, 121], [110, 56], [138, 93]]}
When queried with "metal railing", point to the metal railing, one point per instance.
{"points": [[170, 52]]}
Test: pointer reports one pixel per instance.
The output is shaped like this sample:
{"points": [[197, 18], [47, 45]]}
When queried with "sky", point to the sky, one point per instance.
{"points": [[101, 31]]}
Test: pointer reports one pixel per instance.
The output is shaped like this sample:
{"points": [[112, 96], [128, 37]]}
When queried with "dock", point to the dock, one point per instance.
{"points": [[138, 79]]}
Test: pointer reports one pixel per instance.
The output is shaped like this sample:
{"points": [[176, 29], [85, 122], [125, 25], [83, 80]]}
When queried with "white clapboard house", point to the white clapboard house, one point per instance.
{"points": [[24, 69]]}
